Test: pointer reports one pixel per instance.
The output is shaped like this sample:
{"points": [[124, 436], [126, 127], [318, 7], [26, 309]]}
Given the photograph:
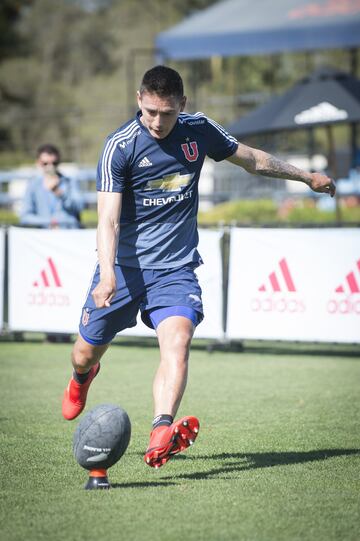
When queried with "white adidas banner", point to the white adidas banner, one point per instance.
{"points": [[50, 272], [2, 273], [211, 282], [294, 284]]}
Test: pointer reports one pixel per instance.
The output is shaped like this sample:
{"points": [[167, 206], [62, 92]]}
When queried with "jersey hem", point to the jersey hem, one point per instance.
{"points": [[161, 266]]}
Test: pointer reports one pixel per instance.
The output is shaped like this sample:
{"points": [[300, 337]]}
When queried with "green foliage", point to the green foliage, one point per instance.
{"points": [[241, 212], [313, 215], [10, 13], [267, 211], [89, 218], [10, 160], [8, 217], [71, 73], [259, 211]]}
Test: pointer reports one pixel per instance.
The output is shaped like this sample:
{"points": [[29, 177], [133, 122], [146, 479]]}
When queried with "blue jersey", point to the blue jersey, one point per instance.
{"points": [[159, 182]]}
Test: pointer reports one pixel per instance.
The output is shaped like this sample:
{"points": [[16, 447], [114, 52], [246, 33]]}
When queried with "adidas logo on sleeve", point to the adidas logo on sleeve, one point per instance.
{"points": [[145, 162]]}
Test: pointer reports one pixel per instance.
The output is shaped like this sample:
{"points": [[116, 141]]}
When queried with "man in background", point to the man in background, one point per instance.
{"points": [[51, 200]]}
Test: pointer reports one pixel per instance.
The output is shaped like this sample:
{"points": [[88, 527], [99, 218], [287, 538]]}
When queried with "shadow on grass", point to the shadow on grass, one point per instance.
{"points": [[235, 462], [144, 484]]}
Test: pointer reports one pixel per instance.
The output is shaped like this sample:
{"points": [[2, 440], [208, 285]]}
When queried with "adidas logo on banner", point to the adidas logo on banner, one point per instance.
{"points": [[48, 276], [286, 282], [347, 299], [274, 297], [48, 291], [352, 281], [145, 162]]}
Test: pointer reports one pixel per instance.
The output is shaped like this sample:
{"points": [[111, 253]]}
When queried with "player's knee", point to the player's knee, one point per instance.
{"points": [[179, 345], [183, 340], [83, 356], [175, 339]]}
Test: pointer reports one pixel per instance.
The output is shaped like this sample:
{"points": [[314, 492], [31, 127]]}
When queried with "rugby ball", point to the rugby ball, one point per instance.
{"points": [[102, 437]]}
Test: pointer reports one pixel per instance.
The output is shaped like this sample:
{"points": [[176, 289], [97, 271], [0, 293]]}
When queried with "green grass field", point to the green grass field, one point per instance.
{"points": [[277, 457]]}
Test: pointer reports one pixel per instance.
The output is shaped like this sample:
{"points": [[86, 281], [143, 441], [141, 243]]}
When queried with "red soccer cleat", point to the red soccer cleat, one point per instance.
{"points": [[75, 395], [167, 441]]}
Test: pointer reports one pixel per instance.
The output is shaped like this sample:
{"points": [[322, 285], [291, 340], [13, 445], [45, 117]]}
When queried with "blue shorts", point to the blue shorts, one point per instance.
{"points": [[144, 290]]}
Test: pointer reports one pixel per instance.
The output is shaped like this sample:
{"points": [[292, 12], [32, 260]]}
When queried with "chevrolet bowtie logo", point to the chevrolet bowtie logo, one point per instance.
{"points": [[170, 183]]}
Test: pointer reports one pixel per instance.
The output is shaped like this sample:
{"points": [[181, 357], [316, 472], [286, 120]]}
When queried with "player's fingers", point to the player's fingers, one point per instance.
{"points": [[108, 300], [102, 303], [99, 299], [332, 188]]}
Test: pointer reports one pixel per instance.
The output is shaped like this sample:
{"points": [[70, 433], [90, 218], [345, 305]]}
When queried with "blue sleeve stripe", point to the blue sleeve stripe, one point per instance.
{"points": [[222, 131], [107, 178], [188, 116], [110, 147]]}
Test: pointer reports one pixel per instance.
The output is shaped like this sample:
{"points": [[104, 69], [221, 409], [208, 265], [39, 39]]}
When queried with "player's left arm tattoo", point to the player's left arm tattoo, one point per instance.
{"points": [[256, 161], [269, 166]]}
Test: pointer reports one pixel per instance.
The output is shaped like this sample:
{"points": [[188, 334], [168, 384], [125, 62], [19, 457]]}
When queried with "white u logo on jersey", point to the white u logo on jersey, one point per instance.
{"points": [[191, 151]]}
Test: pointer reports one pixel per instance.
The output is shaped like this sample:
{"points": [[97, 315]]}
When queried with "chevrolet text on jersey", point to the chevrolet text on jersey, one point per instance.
{"points": [[166, 200]]}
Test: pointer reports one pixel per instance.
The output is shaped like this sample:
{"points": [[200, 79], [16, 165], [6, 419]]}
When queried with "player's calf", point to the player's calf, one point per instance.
{"points": [[75, 394]]}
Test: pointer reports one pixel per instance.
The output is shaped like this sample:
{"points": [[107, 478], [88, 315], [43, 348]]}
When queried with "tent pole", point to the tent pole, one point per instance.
{"points": [[353, 145], [130, 81], [333, 167], [311, 147], [309, 61], [130, 66], [194, 84], [353, 53]]}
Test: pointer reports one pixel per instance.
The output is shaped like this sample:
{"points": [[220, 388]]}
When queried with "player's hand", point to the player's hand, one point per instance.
{"points": [[322, 184], [51, 180], [103, 293]]}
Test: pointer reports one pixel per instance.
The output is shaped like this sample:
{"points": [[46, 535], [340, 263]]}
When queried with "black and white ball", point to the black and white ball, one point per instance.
{"points": [[102, 437]]}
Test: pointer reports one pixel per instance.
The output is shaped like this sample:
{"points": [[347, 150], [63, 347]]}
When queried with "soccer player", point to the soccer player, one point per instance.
{"points": [[147, 240]]}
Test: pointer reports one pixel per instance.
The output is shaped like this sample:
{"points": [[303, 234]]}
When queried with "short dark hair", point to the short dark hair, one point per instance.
{"points": [[162, 81], [48, 149]]}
